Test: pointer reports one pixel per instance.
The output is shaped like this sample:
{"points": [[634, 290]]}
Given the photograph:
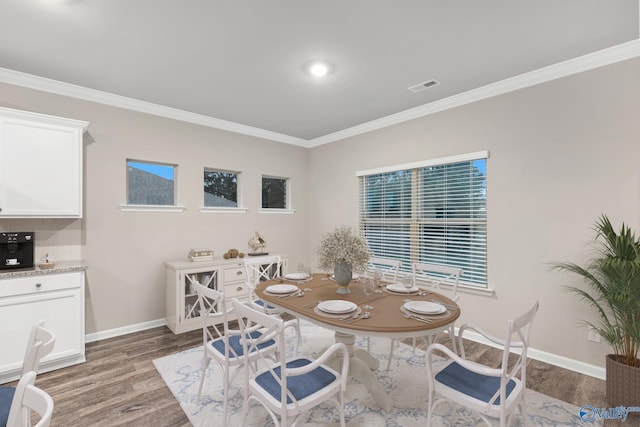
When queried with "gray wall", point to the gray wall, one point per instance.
{"points": [[126, 251], [561, 153]]}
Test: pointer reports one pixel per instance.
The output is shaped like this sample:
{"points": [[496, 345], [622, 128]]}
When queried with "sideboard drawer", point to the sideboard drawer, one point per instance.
{"points": [[236, 274], [238, 290], [41, 283]]}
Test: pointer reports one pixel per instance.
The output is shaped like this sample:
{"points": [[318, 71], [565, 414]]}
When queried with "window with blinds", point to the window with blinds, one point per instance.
{"points": [[433, 211]]}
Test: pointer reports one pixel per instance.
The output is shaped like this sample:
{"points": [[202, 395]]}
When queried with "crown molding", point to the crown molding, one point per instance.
{"points": [[587, 62], [80, 92]]}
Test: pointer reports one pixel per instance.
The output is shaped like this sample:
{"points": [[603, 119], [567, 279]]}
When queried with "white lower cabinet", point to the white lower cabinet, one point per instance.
{"points": [[58, 299], [225, 275]]}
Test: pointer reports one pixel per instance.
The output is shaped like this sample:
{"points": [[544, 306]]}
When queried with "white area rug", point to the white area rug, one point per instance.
{"points": [[405, 382]]}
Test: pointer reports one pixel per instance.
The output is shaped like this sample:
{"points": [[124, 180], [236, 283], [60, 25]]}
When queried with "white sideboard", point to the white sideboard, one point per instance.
{"points": [[40, 165], [226, 275], [55, 296]]}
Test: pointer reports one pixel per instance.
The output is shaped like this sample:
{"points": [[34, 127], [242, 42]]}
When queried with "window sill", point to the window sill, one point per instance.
{"points": [[277, 211], [151, 208], [216, 210]]}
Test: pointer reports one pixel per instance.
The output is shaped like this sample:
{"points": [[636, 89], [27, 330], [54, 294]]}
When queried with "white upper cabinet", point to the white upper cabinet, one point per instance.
{"points": [[40, 165]]}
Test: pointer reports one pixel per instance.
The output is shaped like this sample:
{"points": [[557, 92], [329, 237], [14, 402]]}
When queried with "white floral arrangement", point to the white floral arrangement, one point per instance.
{"points": [[343, 244]]}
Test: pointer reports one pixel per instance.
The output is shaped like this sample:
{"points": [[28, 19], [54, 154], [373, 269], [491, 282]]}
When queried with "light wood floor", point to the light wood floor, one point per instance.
{"points": [[119, 385]]}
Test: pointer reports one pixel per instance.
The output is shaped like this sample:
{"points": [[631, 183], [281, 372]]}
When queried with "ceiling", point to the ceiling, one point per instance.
{"points": [[241, 63]]}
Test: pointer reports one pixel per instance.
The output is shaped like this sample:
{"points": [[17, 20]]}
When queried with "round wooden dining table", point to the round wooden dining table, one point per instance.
{"points": [[387, 318]]}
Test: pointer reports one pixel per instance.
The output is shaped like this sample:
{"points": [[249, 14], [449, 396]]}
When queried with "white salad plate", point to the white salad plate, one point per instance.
{"points": [[424, 307], [296, 276], [399, 288], [281, 289], [337, 306]]}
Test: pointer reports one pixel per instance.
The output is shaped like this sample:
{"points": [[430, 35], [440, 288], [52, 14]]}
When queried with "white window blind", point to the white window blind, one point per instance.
{"points": [[433, 212]]}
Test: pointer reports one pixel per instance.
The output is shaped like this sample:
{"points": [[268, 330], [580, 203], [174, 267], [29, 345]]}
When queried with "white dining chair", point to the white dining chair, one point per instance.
{"points": [[491, 392], [222, 344], [443, 279], [388, 268], [27, 399], [435, 277], [259, 269], [290, 388], [39, 344]]}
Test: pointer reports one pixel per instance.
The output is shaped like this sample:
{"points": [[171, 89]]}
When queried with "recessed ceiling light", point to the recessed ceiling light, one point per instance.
{"points": [[319, 68]]}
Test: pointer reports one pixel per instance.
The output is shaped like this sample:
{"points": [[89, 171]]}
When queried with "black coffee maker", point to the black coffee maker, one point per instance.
{"points": [[16, 250]]}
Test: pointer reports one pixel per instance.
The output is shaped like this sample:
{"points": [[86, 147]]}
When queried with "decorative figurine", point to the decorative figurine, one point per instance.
{"points": [[257, 245]]}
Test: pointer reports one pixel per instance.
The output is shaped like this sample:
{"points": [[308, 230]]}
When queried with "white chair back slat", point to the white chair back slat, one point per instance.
{"points": [[435, 275], [40, 343], [28, 398], [389, 268]]}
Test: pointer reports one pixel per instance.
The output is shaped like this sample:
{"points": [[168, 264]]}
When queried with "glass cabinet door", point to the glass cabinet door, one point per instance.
{"points": [[208, 278]]}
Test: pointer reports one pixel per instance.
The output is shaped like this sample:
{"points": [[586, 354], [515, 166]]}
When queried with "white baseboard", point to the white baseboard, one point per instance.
{"points": [[116, 332], [550, 358], [542, 356]]}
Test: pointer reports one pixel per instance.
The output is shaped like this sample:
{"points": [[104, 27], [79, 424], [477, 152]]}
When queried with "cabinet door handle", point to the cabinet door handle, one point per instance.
{"points": [[38, 285], [238, 273], [239, 288]]}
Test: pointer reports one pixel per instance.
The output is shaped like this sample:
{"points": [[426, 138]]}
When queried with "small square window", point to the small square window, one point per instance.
{"points": [[274, 192], [220, 188], [150, 183]]}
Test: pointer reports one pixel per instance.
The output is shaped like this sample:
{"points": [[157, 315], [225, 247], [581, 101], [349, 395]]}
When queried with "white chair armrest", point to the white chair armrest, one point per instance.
{"points": [[323, 358], [471, 327], [467, 364]]}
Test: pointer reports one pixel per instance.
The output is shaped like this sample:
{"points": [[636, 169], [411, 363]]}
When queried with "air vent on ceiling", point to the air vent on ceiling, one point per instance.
{"points": [[424, 85]]}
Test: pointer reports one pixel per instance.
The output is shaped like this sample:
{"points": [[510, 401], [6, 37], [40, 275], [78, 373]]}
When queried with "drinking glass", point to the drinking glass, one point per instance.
{"points": [[377, 276], [367, 286], [300, 267], [407, 281], [367, 289]]}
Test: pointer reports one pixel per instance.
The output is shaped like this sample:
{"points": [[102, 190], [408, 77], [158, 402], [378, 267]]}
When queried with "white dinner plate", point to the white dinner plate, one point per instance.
{"points": [[281, 289], [399, 288], [425, 307], [337, 306], [353, 277], [296, 276]]}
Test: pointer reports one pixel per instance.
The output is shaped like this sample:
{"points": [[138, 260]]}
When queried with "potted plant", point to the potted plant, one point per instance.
{"points": [[612, 277], [343, 251]]}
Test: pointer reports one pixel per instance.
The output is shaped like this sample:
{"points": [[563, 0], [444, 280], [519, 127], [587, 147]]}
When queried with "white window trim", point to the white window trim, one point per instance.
{"points": [[276, 211], [218, 210], [288, 209], [240, 187], [152, 208], [467, 157]]}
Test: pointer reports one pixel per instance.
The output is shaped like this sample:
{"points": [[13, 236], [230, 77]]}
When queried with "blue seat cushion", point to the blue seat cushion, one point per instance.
{"points": [[263, 304], [6, 397], [478, 386], [236, 346], [300, 386]]}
